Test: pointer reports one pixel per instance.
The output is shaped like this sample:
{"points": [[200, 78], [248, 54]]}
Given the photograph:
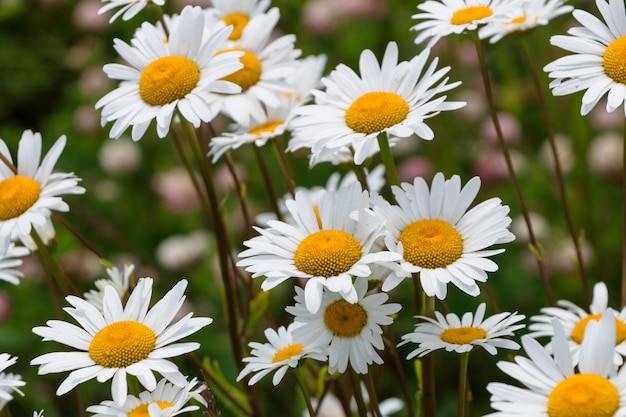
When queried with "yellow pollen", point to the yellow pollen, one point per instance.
{"points": [[288, 352], [578, 333], [463, 335], [17, 194], [470, 14], [614, 60], [121, 344], [247, 76], [168, 79], [518, 20], [583, 395], [142, 410], [431, 243], [268, 127], [375, 111], [344, 319], [327, 253], [239, 22]]}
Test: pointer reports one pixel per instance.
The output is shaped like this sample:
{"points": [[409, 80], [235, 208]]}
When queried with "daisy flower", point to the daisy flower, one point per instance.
{"points": [[392, 97], [552, 385], [38, 414], [9, 383], [121, 340], [442, 18], [32, 191], [119, 281], [326, 243], [530, 14], [10, 261], [178, 74], [166, 400], [128, 8], [46, 233], [575, 320], [237, 13], [597, 63], [461, 335], [281, 353], [349, 332], [266, 67], [438, 238]]}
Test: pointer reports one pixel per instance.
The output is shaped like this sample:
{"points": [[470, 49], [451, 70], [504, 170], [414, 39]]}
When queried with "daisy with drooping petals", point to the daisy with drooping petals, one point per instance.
{"points": [[530, 14], [9, 383], [281, 353], [237, 13], [119, 281], [463, 334], [392, 97], [32, 191], [128, 8], [552, 385], [442, 18], [597, 63], [328, 243], [350, 333], [10, 261], [575, 320], [166, 400], [121, 340], [438, 238], [178, 74]]}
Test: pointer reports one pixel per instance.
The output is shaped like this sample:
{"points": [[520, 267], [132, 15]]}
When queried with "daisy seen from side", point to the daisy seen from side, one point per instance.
{"points": [[166, 400], [463, 334], [9, 383], [554, 387], [328, 242], [128, 8], [596, 65], [133, 339], [166, 76], [350, 333], [237, 13], [30, 191], [575, 321], [10, 261], [439, 238], [120, 281], [391, 97]]}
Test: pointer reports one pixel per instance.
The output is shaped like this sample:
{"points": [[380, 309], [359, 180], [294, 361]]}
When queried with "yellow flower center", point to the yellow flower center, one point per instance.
{"points": [[470, 14], [17, 194], [288, 352], [583, 395], [239, 22], [578, 333], [344, 319], [268, 127], [375, 111], [431, 243], [247, 76], [614, 60], [518, 20], [121, 344], [327, 253], [168, 79], [142, 410], [463, 335]]}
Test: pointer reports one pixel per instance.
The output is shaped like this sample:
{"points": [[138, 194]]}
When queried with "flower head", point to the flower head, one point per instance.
{"points": [[131, 339], [237, 13], [10, 261], [119, 281], [128, 8], [9, 383]]}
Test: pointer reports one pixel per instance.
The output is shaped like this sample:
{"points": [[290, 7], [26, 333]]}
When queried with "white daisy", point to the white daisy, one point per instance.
{"points": [[575, 320], [130, 339], [391, 97], [266, 67], [46, 233], [530, 14], [10, 261], [166, 400], [38, 414], [327, 244], [164, 76], [463, 334], [281, 353], [9, 383], [236, 12], [445, 17], [438, 238], [597, 62], [351, 332], [128, 8], [28, 196], [552, 385], [119, 281]]}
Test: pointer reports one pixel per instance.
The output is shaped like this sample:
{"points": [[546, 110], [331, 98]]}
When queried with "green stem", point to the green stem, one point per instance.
{"points": [[361, 176], [77, 235], [397, 363], [269, 184], [388, 161], [51, 265], [463, 384], [305, 393], [356, 392], [241, 192], [371, 390], [428, 365], [283, 167]]}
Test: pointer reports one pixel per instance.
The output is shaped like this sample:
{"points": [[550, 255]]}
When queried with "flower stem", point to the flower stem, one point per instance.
{"points": [[284, 167], [371, 390], [463, 384], [51, 265], [269, 184], [305, 393], [356, 392], [388, 161]]}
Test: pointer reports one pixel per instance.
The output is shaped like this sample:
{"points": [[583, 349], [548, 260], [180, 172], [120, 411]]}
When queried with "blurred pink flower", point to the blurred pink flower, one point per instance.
{"points": [[323, 16], [605, 156], [511, 129], [413, 167], [176, 190], [86, 17]]}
